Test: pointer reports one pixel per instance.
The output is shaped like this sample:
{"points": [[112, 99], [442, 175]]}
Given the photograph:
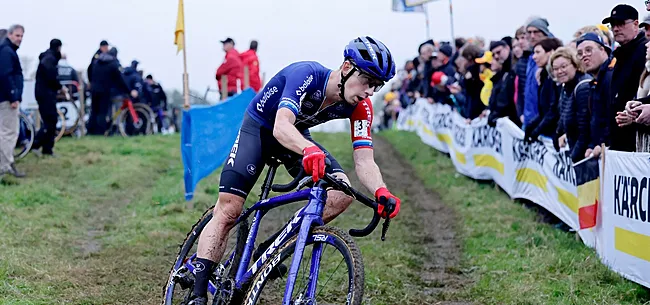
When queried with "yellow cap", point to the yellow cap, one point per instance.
{"points": [[603, 28], [389, 96]]}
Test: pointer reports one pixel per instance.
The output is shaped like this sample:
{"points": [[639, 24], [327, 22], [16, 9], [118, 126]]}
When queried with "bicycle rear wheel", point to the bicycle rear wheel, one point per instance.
{"points": [[333, 287], [129, 127], [26, 135]]}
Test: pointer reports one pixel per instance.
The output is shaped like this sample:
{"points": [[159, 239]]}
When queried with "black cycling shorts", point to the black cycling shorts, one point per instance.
{"points": [[252, 150]]}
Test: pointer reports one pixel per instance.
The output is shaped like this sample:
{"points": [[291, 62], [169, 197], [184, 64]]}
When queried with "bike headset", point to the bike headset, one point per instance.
{"points": [[370, 57]]}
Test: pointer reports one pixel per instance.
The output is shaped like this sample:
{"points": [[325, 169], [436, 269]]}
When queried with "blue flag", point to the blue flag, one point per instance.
{"points": [[207, 136]]}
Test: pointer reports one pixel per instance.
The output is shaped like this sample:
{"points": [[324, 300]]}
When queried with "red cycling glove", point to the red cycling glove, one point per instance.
{"points": [[382, 195], [313, 161]]}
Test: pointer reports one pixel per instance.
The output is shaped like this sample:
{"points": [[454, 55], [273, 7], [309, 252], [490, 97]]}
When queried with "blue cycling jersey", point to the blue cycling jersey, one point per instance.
{"points": [[299, 87]]}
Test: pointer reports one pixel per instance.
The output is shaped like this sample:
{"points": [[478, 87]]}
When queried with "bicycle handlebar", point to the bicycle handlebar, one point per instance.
{"points": [[340, 185]]}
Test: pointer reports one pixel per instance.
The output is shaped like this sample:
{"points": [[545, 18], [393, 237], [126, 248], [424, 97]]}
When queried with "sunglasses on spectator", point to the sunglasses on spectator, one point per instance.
{"points": [[617, 23]]}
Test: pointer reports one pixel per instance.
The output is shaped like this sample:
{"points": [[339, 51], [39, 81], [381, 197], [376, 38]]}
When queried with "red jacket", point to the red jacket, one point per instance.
{"points": [[250, 60], [232, 67]]}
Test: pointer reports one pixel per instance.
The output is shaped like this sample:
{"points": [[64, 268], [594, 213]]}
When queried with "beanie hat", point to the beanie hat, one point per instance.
{"points": [[542, 25]]}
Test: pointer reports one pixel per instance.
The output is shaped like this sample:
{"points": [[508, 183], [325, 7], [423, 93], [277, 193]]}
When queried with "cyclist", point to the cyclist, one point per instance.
{"points": [[276, 124]]}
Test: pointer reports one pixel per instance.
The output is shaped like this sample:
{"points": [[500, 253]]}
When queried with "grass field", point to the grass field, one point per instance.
{"points": [[101, 224], [513, 258]]}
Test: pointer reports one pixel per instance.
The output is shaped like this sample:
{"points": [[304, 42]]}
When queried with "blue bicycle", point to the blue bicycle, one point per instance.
{"points": [[237, 281]]}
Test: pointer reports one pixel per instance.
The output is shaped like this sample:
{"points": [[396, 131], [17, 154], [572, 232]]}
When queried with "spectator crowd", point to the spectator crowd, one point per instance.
{"points": [[581, 93]]}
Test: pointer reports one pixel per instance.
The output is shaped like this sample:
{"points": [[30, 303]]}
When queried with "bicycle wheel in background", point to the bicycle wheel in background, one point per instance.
{"points": [[60, 131], [71, 117], [180, 283], [26, 135], [340, 274], [127, 125]]}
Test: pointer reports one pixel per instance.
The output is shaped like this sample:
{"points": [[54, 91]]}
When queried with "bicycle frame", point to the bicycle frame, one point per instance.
{"points": [[127, 104], [301, 224]]}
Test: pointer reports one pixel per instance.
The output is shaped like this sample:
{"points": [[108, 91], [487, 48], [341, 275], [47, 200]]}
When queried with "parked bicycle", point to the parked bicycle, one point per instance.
{"points": [[237, 281], [130, 119]]}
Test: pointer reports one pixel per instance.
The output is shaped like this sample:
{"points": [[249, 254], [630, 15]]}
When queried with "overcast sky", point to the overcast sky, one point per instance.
{"points": [[287, 30]]}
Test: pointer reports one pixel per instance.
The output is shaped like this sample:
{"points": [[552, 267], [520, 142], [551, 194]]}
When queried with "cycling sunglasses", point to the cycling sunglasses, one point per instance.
{"points": [[367, 79]]}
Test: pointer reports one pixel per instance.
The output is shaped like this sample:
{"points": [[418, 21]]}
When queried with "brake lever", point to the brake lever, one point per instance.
{"points": [[384, 228]]}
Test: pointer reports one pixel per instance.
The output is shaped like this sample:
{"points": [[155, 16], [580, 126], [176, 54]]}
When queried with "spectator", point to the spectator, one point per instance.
{"points": [[608, 36], [458, 43], [502, 98], [422, 66], [232, 67], [520, 71], [140, 93], [645, 25], [640, 109], [647, 6], [67, 75], [106, 82], [158, 101], [573, 126], [594, 55], [545, 123], [630, 61], [46, 88], [536, 30], [392, 107], [468, 90], [11, 92], [103, 48], [440, 63], [250, 60], [406, 76]]}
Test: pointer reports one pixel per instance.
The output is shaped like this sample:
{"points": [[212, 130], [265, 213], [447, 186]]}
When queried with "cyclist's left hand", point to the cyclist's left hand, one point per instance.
{"points": [[382, 195]]}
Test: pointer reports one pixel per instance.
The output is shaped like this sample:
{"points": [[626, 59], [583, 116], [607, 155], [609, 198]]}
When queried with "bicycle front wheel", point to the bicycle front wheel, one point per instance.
{"points": [[331, 255]]}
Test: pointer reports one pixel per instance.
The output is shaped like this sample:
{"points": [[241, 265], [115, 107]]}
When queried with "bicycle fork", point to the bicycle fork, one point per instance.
{"points": [[313, 217]]}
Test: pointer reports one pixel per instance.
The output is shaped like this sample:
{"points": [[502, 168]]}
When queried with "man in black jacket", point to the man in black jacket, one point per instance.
{"points": [[502, 98], [630, 62], [103, 48], [158, 101], [11, 92], [107, 81], [46, 87]]}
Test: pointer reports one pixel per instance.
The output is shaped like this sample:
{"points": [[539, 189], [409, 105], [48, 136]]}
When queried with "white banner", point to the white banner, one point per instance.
{"points": [[624, 225], [538, 173]]}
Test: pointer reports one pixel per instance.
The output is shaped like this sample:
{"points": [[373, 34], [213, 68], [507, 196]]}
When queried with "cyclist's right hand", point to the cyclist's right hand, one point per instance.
{"points": [[313, 161], [382, 195]]}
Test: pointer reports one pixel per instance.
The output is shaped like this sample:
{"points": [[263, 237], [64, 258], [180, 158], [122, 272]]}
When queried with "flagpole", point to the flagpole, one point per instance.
{"points": [[451, 21], [186, 80], [426, 19]]}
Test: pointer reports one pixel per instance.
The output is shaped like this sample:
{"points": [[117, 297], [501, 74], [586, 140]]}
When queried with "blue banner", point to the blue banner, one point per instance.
{"points": [[207, 135]]}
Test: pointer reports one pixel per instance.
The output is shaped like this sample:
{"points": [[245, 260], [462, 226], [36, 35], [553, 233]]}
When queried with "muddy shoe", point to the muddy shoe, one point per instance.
{"points": [[13, 171]]}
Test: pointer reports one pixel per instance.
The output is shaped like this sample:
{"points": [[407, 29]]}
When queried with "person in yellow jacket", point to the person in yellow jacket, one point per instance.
{"points": [[486, 76]]}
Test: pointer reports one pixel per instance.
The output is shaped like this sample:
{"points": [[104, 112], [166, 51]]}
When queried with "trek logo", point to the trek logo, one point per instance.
{"points": [[265, 273], [233, 151], [276, 243], [305, 84], [265, 97], [373, 54]]}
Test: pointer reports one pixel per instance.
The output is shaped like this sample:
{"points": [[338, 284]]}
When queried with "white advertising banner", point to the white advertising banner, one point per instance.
{"points": [[537, 172]]}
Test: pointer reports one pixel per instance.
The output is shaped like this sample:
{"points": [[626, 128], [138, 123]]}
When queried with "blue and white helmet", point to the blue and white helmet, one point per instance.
{"points": [[372, 57]]}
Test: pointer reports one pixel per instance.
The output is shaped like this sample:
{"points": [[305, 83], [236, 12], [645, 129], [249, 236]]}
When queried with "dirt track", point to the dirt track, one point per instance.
{"points": [[441, 272]]}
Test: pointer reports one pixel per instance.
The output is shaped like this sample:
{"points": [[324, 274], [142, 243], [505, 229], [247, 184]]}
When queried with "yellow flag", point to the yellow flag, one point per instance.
{"points": [[180, 28]]}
